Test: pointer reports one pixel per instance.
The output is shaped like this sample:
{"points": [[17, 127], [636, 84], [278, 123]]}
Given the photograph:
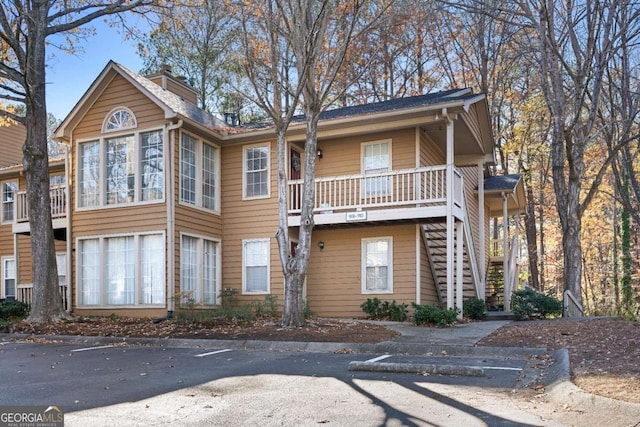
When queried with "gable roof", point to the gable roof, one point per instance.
{"points": [[174, 106], [511, 186]]}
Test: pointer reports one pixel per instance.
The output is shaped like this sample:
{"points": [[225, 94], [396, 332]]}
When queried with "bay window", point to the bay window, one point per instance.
{"points": [[199, 270], [199, 173]]}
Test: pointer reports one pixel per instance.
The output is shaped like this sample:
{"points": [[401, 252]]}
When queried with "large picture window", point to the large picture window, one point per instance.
{"points": [[121, 270], [199, 270], [255, 261], [8, 189], [256, 172], [199, 173], [377, 265], [121, 169]]}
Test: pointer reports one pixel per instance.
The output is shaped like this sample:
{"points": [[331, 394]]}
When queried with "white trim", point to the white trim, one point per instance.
{"points": [[137, 271], [2, 202], [363, 262], [200, 253], [111, 113], [364, 190], [418, 263], [244, 171], [3, 262], [199, 148], [244, 266]]}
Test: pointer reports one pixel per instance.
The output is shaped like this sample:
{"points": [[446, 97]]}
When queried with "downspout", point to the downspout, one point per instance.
{"points": [[67, 180], [171, 225]]}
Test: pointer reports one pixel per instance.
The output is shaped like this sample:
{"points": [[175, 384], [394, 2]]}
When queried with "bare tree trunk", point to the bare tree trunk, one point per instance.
{"points": [[46, 303]]}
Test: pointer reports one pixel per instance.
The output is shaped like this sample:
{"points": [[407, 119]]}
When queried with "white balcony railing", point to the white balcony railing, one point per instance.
{"points": [[419, 186], [58, 196], [25, 294]]}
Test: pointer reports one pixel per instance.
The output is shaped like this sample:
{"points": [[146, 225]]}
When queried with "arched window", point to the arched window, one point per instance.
{"points": [[118, 119]]}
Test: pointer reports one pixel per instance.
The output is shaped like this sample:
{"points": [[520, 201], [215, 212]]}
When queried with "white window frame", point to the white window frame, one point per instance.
{"points": [[365, 194], [4, 220], [138, 173], [245, 171], [245, 243], [389, 288], [199, 159], [5, 261], [61, 266], [138, 271], [114, 111], [198, 296]]}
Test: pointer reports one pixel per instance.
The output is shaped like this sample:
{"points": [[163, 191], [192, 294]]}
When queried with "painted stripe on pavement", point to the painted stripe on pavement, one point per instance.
{"points": [[213, 352], [91, 348], [376, 359], [501, 368]]}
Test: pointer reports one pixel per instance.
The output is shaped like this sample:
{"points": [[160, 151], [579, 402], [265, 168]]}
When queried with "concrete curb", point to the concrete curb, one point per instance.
{"points": [[417, 368], [387, 347]]}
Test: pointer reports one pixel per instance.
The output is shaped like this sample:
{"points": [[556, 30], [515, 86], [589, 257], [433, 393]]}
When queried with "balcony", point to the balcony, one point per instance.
{"points": [[394, 195], [58, 196]]}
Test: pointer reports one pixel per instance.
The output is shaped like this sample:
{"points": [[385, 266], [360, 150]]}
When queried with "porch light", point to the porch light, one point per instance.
{"points": [[321, 245], [319, 152]]}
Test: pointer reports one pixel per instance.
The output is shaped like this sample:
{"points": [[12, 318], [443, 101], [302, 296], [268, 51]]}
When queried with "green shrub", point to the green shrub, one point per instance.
{"points": [[266, 308], [306, 310], [381, 310], [474, 308], [13, 310], [527, 303], [430, 314]]}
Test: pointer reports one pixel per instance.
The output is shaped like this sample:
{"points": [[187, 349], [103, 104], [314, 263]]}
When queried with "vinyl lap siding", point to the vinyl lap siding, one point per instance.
{"points": [[334, 286]]}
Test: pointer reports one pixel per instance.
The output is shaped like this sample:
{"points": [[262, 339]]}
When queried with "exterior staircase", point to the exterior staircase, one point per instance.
{"points": [[435, 240]]}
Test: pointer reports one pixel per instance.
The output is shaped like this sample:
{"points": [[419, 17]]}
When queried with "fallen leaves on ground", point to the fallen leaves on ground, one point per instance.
{"points": [[604, 352]]}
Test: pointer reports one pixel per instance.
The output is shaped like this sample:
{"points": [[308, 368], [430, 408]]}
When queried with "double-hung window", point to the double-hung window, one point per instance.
{"points": [[9, 189], [255, 266], [199, 270], [376, 159], [256, 172], [9, 277], [121, 270], [125, 166], [377, 265], [199, 173]]}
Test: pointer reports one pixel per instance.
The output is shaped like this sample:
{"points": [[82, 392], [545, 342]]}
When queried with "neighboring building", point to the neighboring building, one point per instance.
{"points": [[162, 201]]}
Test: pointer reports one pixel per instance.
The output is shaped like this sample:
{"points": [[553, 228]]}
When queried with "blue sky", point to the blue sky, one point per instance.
{"points": [[69, 76]]}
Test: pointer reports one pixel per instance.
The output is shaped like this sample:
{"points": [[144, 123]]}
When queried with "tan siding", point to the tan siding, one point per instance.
{"points": [[181, 91], [428, 293], [12, 138], [132, 219], [247, 219], [342, 156], [471, 184], [119, 93], [334, 285], [430, 154]]}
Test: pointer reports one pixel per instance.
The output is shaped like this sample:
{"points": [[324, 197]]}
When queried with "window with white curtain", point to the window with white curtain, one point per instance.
{"points": [[199, 173], [199, 270], [121, 169], [9, 277], [255, 261], [122, 270], [377, 265]]}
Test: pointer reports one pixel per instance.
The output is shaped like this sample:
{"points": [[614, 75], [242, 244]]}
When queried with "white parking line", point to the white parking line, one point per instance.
{"points": [[377, 359], [213, 352], [91, 348], [501, 368]]}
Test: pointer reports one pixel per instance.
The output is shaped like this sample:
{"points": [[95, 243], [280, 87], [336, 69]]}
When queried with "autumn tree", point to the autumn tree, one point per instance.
{"points": [[25, 28], [193, 37]]}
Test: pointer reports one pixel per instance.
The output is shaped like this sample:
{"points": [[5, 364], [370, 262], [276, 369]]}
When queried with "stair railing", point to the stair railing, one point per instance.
{"points": [[511, 276], [471, 251]]}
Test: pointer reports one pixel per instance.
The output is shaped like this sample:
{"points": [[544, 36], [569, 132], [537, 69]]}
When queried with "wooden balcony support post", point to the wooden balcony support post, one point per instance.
{"points": [[450, 188], [505, 252], [459, 265]]}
